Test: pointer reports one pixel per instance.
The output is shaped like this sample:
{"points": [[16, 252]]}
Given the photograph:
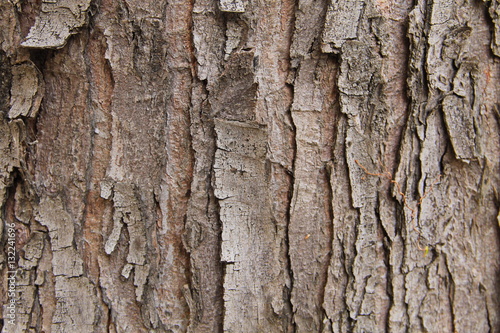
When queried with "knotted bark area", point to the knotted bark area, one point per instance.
{"points": [[250, 165]]}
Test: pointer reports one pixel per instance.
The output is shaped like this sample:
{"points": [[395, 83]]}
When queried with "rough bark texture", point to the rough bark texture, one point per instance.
{"points": [[251, 165]]}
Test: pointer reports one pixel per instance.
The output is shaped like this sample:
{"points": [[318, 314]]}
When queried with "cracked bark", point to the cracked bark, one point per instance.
{"points": [[195, 166]]}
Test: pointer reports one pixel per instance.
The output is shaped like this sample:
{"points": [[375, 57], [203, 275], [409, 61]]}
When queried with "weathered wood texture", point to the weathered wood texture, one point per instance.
{"points": [[251, 165]]}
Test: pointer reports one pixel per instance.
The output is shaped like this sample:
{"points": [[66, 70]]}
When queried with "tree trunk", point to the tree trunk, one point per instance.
{"points": [[250, 166]]}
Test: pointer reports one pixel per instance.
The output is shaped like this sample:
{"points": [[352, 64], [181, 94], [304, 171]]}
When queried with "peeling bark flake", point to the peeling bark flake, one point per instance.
{"points": [[341, 24], [26, 92], [56, 22]]}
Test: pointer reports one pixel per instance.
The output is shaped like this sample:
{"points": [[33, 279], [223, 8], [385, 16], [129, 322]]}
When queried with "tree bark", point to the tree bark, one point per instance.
{"points": [[250, 166]]}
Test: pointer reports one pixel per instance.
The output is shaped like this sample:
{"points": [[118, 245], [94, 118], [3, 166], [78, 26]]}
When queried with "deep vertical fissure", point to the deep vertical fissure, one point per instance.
{"points": [[330, 231], [289, 215]]}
